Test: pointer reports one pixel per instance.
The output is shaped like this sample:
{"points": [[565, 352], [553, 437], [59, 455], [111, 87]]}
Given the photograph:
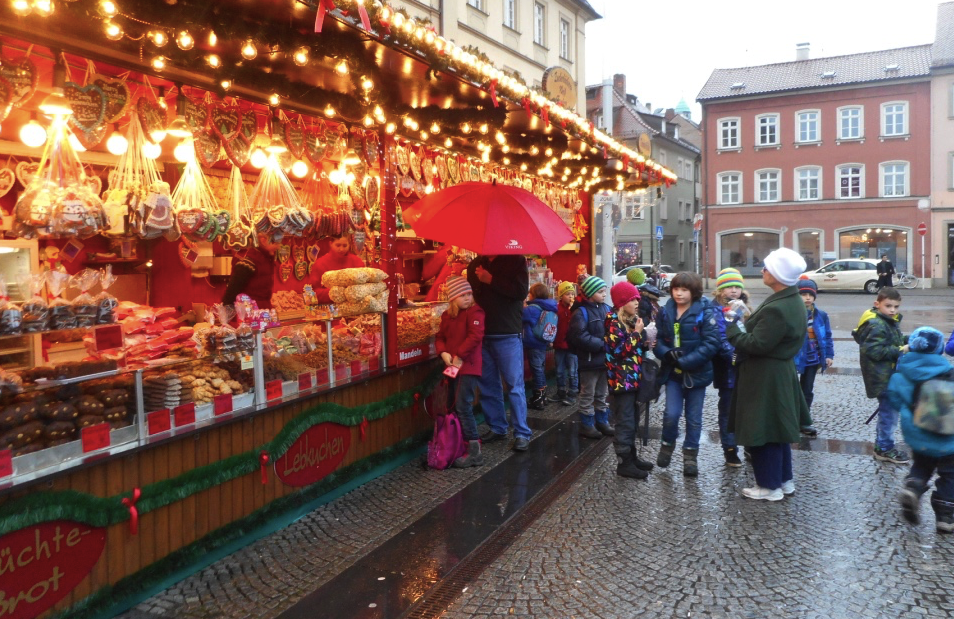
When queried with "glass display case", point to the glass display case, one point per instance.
{"points": [[18, 260], [417, 324]]}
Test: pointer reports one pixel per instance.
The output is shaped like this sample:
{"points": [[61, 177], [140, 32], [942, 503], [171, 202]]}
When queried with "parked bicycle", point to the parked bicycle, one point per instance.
{"points": [[906, 280]]}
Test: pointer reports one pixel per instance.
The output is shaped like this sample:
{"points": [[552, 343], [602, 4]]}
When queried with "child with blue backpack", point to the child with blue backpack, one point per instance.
{"points": [[927, 423], [818, 351], [585, 337], [539, 330]]}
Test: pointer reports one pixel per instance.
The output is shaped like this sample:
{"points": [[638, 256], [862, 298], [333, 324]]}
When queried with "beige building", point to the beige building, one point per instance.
{"points": [[941, 252], [525, 36]]}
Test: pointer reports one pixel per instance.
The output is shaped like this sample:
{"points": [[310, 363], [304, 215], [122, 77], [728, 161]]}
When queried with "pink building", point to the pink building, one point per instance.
{"points": [[828, 156]]}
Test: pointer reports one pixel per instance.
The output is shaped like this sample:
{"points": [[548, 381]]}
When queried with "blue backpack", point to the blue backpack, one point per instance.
{"points": [[546, 328]]}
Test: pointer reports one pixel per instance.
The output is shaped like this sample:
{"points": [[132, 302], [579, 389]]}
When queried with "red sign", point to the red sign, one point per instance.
{"points": [[43, 563], [222, 404], [342, 372], [356, 369], [922, 228], [321, 377], [184, 414], [407, 356], [107, 337], [304, 381], [316, 453], [6, 462], [273, 390], [159, 421], [95, 437], [374, 364]]}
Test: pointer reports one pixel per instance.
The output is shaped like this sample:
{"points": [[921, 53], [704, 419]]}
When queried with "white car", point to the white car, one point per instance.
{"points": [[859, 274], [665, 273]]}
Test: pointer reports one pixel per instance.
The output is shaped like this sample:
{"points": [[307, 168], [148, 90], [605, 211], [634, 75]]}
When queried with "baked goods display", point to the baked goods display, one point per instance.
{"points": [[417, 326], [306, 345], [357, 291], [198, 381], [287, 301]]}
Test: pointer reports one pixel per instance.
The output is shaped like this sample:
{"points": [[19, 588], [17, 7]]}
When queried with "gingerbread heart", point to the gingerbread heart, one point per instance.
{"points": [[88, 119], [239, 150], [371, 153], [208, 148], [315, 145], [151, 115], [6, 98], [192, 220], [22, 76], [196, 114], [26, 172], [118, 96], [95, 183], [7, 179], [226, 121], [223, 221], [295, 139], [249, 126]]}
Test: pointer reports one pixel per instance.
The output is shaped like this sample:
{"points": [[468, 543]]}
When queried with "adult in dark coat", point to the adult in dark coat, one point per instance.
{"points": [[768, 406], [885, 272]]}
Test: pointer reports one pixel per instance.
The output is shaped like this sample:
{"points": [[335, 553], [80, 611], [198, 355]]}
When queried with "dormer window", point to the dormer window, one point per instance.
{"points": [[891, 67], [737, 86], [827, 75]]}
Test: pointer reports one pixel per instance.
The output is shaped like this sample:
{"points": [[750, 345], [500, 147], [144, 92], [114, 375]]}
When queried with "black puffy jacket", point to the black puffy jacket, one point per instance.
{"points": [[585, 336]]}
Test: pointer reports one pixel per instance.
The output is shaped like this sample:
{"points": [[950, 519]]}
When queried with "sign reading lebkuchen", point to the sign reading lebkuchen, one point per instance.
{"points": [[40, 565], [316, 454]]}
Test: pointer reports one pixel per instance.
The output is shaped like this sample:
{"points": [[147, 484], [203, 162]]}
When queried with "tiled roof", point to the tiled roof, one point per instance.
{"points": [[655, 122], [800, 74], [586, 6], [942, 52]]}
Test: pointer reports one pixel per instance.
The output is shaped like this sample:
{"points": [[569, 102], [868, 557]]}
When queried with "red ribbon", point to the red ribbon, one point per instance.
{"points": [[545, 114], [363, 427], [605, 155], [493, 91], [417, 399], [263, 465], [591, 127], [130, 502], [526, 105], [625, 162], [323, 6], [365, 21]]}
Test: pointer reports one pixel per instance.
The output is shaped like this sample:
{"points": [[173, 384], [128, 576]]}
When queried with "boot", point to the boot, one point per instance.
{"points": [[643, 465], [538, 401], [561, 395], [910, 498], [690, 468], [732, 457], [586, 427], [943, 512], [473, 457], [626, 466], [602, 423], [665, 455], [570, 398]]}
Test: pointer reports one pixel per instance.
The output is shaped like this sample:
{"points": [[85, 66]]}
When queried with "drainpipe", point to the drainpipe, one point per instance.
{"points": [[607, 242], [705, 192]]}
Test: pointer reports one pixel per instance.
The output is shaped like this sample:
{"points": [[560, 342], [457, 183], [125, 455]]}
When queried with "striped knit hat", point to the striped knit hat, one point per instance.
{"points": [[729, 277], [807, 285], [591, 285], [456, 286], [564, 288]]}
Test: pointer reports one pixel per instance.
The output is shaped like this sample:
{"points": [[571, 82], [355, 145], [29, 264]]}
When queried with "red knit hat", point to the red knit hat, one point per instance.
{"points": [[622, 293]]}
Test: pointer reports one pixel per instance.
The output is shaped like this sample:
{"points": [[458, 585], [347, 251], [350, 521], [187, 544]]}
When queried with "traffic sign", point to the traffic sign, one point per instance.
{"points": [[922, 228], [659, 233], [695, 236]]}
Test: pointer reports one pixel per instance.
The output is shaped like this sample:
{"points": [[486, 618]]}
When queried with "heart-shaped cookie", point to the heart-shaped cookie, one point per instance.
{"points": [[223, 221], [118, 96], [22, 75], [26, 172], [196, 114], [191, 220], [7, 179], [88, 119], [249, 126], [315, 145], [151, 115], [239, 150], [371, 152], [226, 121], [95, 183], [295, 139], [208, 148]]}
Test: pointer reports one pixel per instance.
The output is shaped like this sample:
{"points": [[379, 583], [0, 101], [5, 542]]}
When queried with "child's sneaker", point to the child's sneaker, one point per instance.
{"points": [[910, 498], [732, 457], [894, 455]]}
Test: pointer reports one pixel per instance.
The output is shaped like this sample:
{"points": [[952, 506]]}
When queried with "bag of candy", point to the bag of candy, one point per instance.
{"points": [[106, 303], [11, 316], [61, 310], [85, 307], [244, 335], [35, 310], [226, 340]]}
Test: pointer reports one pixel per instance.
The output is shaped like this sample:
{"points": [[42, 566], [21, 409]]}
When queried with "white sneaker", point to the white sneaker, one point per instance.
{"points": [[788, 487], [763, 494]]}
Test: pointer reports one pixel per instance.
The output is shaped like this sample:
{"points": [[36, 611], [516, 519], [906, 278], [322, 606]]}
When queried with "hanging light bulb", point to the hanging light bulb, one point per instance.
{"points": [[117, 143], [185, 41], [22, 8], [159, 63], [108, 8], [301, 56], [465, 128], [367, 121], [43, 8], [276, 146], [213, 40], [299, 169], [336, 176], [483, 128], [258, 159], [501, 138], [342, 67], [366, 83], [150, 150], [424, 136], [33, 134], [390, 128], [113, 31], [56, 103], [505, 148], [184, 151], [213, 61], [378, 112], [179, 128], [249, 52], [158, 38], [274, 99], [329, 111], [435, 128], [75, 143], [225, 84], [448, 143]]}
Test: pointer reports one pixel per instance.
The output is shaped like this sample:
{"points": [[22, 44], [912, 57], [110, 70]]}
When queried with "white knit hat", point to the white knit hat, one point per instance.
{"points": [[785, 265]]}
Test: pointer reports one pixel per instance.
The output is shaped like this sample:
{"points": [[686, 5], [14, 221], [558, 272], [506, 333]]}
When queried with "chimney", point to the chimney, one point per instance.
{"points": [[608, 107], [801, 51], [619, 84], [670, 113]]}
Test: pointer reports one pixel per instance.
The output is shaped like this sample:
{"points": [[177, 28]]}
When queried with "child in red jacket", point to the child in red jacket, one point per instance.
{"points": [[458, 342], [568, 378]]}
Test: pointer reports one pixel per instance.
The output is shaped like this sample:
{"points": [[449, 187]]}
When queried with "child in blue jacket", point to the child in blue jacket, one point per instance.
{"points": [[818, 351], [535, 348], [729, 286], [931, 452]]}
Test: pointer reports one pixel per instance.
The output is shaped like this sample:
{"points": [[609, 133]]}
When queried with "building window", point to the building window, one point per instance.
{"points": [[682, 251], [679, 168], [894, 118], [564, 39], [766, 127], [689, 171], [873, 243], [809, 183], [850, 123], [728, 133], [894, 179], [539, 23], [477, 4], [746, 250], [730, 188], [510, 14], [851, 181], [663, 208], [767, 185], [809, 246], [807, 126]]}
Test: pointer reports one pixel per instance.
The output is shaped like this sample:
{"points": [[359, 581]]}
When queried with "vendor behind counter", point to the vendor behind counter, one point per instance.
{"points": [[339, 257], [253, 273]]}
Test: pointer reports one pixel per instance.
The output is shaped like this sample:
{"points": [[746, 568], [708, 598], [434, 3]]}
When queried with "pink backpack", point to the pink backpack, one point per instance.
{"points": [[447, 444]]}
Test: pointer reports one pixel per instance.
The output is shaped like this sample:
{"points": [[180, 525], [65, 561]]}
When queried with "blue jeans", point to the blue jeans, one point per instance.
{"points": [[725, 437], [464, 405], [537, 359], [677, 399], [772, 464], [887, 424], [567, 368], [502, 357]]}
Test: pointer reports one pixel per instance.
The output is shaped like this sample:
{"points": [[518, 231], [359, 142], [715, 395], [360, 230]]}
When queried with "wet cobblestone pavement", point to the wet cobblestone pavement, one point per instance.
{"points": [[665, 547]]}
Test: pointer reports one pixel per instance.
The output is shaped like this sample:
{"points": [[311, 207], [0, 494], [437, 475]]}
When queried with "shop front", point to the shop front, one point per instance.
{"points": [[873, 242], [746, 249]]}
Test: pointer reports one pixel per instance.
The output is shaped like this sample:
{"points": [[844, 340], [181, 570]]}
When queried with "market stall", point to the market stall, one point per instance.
{"points": [[174, 368]]}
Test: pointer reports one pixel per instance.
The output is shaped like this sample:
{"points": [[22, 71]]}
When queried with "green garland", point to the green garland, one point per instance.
{"points": [[40, 507]]}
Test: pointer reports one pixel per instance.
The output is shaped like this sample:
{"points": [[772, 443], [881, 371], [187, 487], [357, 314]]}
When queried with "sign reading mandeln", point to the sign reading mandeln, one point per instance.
{"points": [[560, 86]]}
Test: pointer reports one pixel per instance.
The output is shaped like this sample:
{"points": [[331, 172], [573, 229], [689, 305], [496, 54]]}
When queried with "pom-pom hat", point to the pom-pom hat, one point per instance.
{"points": [[807, 285], [591, 285], [926, 340], [729, 277], [622, 293]]}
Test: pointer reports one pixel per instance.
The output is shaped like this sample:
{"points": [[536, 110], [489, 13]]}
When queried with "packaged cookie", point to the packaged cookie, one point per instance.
{"points": [[88, 405], [85, 308], [35, 312], [61, 310], [21, 435], [61, 411], [117, 413], [114, 397], [17, 414], [11, 315], [106, 303], [58, 431]]}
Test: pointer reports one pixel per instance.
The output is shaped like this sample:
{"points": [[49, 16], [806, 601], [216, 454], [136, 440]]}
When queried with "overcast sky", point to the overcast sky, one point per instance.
{"points": [[668, 49]]}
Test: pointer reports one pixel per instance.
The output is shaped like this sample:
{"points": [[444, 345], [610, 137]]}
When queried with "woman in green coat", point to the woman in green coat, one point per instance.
{"points": [[768, 406]]}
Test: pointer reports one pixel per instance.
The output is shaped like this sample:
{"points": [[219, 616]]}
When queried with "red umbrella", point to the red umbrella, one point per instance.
{"points": [[489, 219]]}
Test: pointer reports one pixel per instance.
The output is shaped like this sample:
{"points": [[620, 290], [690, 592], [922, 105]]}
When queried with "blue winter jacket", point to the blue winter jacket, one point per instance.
{"points": [[914, 368], [531, 314], [699, 342], [585, 335], [723, 364], [826, 346], [949, 349]]}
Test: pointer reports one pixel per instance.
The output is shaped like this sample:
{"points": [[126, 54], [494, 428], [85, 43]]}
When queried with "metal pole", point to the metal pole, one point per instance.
{"points": [[922, 263]]}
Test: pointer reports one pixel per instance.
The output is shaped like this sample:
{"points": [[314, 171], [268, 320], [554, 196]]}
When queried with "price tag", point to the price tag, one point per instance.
{"points": [[356, 367], [107, 337], [273, 390], [321, 377], [95, 437], [6, 463], [184, 414], [247, 363], [222, 404], [159, 421], [304, 381], [374, 364], [342, 372]]}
